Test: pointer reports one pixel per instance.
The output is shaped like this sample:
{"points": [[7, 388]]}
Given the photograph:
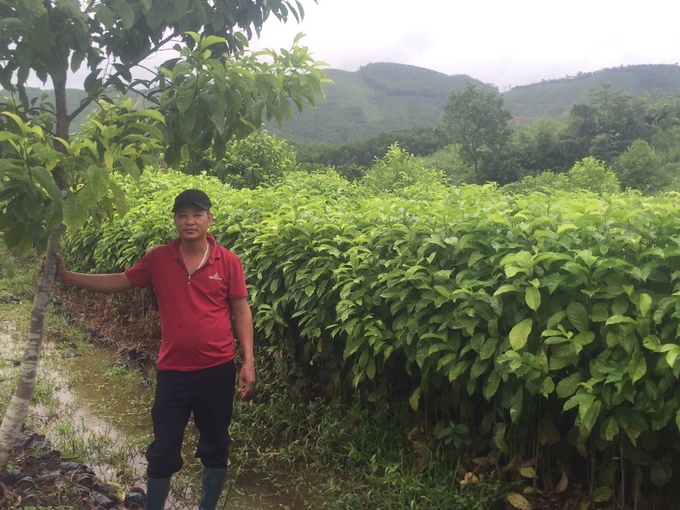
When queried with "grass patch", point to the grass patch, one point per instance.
{"points": [[356, 457]]}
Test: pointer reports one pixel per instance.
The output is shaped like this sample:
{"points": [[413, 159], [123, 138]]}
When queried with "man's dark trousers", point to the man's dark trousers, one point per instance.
{"points": [[209, 393]]}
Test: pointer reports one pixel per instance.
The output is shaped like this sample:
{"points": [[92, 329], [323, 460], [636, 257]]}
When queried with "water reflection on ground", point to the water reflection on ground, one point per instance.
{"points": [[76, 409]]}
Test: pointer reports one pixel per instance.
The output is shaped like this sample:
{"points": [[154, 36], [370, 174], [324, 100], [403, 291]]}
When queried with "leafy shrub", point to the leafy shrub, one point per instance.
{"points": [[546, 325], [250, 162], [592, 175], [449, 162], [639, 168], [588, 175], [397, 170]]}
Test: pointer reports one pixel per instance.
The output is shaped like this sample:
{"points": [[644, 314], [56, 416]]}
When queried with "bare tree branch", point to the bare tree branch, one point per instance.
{"points": [[111, 78]]}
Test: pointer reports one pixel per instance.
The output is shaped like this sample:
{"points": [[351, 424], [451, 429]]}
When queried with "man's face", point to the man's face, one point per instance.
{"points": [[191, 222]]}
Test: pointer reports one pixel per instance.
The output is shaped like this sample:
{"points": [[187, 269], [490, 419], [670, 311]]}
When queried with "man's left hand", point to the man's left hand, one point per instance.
{"points": [[246, 379]]}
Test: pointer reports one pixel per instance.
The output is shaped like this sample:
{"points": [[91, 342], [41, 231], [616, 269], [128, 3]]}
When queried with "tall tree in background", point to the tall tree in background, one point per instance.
{"points": [[478, 122], [605, 126], [212, 90]]}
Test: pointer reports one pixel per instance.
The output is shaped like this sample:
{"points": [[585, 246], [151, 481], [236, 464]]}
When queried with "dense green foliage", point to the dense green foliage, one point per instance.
{"points": [[546, 324], [399, 170], [345, 157], [588, 174], [249, 162]]}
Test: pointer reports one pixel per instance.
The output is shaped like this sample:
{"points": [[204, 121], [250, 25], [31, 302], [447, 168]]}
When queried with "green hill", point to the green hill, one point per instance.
{"points": [[376, 98], [553, 98], [384, 97]]}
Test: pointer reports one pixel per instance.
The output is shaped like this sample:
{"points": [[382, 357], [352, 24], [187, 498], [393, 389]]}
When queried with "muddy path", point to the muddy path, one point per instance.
{"points": [[98, 415]]}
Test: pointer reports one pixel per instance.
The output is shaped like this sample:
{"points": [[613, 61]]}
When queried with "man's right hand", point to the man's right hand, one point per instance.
{"points": [[101, 283], [61, 267]]}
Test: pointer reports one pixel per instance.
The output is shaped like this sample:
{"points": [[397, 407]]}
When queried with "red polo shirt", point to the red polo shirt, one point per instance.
{"points": [[195, 311]]}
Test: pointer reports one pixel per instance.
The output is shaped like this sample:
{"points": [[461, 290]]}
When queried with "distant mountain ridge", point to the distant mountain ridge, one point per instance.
{"points": [[553, 98], [378, 97], [388, 97], [382, 97]]}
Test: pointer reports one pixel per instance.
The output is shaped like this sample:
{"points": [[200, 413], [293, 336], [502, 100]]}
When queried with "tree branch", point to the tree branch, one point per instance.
{"points": [[135, 63]]}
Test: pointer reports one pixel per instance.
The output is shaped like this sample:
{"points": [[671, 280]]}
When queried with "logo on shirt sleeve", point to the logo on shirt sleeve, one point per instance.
{"points": [[215, 277]]}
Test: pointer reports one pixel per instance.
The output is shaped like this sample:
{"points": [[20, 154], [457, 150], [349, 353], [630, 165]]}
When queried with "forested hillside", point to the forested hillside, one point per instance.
{"points": [[553, 98], [376, 98], [384, 97], [388, 97]]}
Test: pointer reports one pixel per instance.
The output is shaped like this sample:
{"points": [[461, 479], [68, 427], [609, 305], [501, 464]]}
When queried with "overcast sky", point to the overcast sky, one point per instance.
{"points": [[501, 42]]}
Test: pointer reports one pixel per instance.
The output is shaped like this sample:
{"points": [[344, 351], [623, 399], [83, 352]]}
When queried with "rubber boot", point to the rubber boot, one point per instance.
{"points": [[213, 481], [157, 492]]}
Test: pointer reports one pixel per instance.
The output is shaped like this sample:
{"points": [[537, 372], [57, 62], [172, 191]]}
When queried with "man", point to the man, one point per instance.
{"points": [[199, 287]]}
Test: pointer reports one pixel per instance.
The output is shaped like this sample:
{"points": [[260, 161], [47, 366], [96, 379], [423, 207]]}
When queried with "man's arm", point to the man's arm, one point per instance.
{"points": [[243, 327], [103, 283]]}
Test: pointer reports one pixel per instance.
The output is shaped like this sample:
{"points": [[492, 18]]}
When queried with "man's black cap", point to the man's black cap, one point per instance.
{"points": [[192, 196]]}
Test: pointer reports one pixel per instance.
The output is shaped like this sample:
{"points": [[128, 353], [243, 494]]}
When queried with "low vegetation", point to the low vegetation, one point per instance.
{"points": [[530, 336]]}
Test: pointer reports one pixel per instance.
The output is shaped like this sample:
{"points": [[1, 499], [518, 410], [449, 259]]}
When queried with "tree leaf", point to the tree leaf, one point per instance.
{"points": [[532, 296], [578, 316], [520, 334], [98, 180], [519, 501], [562, 484], [74, 212], [644, 304], [414, 399], [602, 494], [127, 15], [527, 472], [661, 473], [44, 178], [611, 429], [567, 386]]}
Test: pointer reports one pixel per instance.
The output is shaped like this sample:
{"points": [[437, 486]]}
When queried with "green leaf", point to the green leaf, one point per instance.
{"points": [[644, 304], [661, 473], [602, 494], [547, 386], [44, 178], [118, 199], [210, 40], [185, 95], [42, 37], [611, 429], [578, 316], [98, 180], [589, 411], [567, 386], [491, 385], [414, 399], [152, 114], [566, 226], [74, 213], [520, 334], [619, 319], [527, 472], [532, 297], [127, 15], [637, 367], [14, 235]]}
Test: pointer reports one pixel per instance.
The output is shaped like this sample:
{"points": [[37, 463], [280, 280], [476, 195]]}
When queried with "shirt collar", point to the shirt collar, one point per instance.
{"points": [[214, 253]]}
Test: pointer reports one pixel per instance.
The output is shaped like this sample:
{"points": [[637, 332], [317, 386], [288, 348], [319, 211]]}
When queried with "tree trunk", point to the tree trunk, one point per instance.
{"points": [[18, 406]]}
